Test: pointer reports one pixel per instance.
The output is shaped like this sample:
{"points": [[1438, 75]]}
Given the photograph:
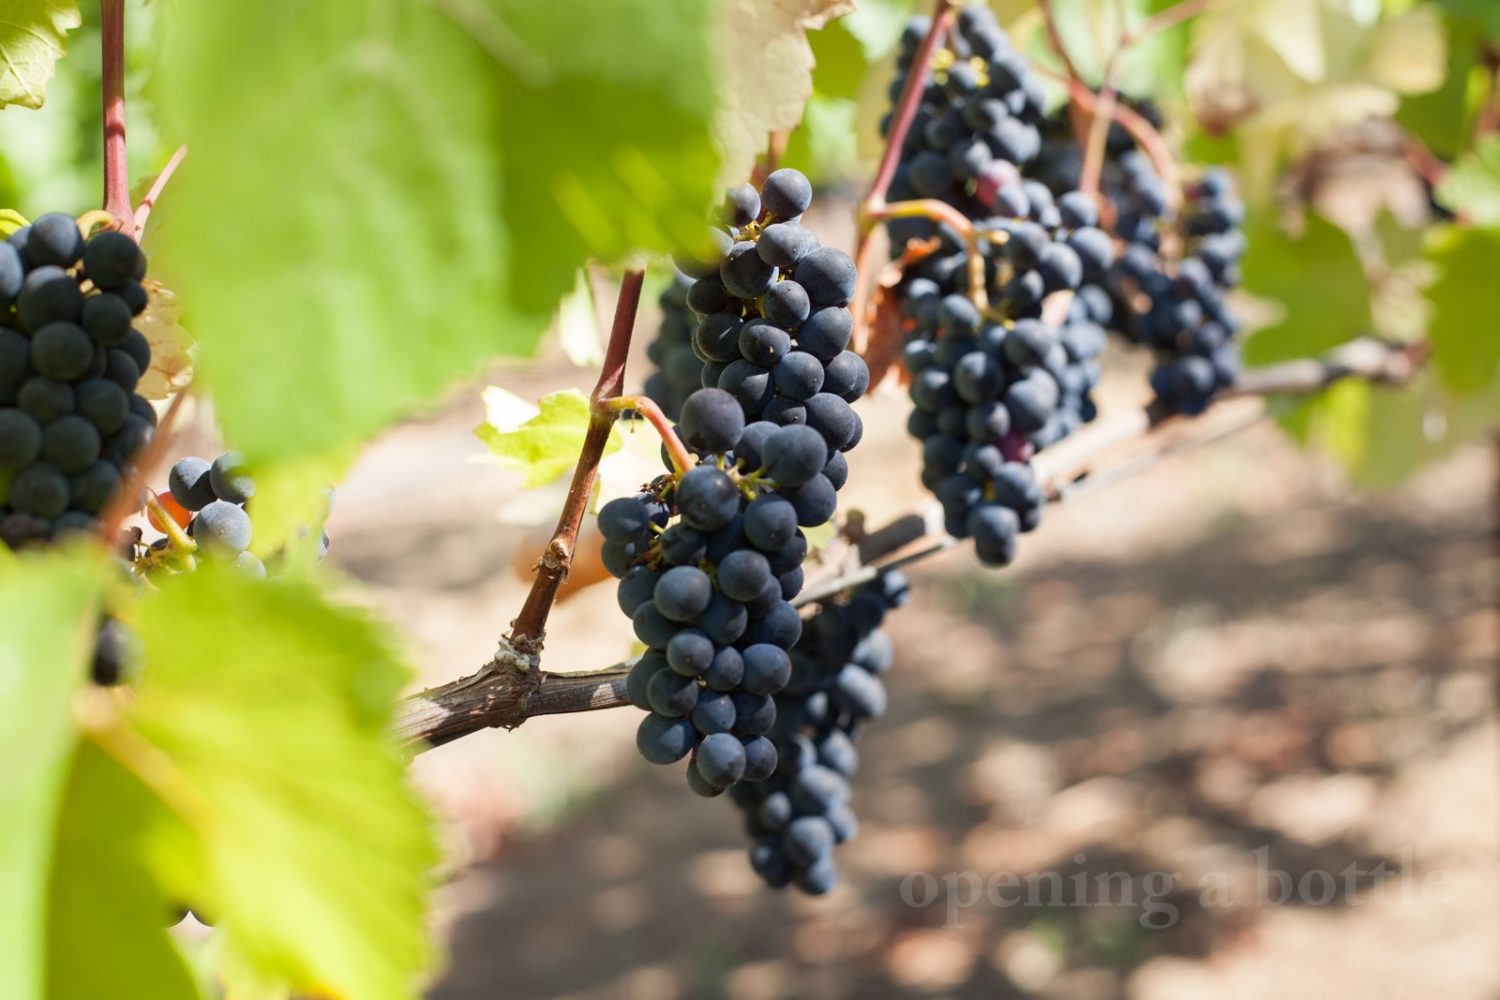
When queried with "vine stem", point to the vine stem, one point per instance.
{"points": [[530, 624], [116, 170], [143, 210], [873, 206], [682, 459], [128, 499], [508, 697], [1107, 101]]}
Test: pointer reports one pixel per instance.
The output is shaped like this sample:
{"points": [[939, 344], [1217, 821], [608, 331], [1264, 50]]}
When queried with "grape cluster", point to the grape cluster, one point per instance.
{"points": [[70, 421], [991, 387], [1179, 308], [986, 396], [978, 119], [709, 557], [799, 814], [207, 500], [774, 322], [679, 370]]}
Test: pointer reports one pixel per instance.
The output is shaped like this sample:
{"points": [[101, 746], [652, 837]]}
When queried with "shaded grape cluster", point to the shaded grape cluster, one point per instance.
{"points": [[1179, 308], [70, 360], [1169, 284], [978, 119], [990, 387], [797, 816], [986, 396], [679, 370]]}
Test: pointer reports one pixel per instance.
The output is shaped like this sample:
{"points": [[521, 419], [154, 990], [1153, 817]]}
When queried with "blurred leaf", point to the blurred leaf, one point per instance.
{"points": [[1472, 187], [1290, 71], [827, 144], [291, 503], [877, 25], [447, 170], [44, 604], [11, 220], [841, 64], [171, 366], [107, 915], [767, 68], [1382, 436], [1399, 243], [33, 36], [578, 325], [1465, 299], [1318, 280], [1484, 13], [543, 445], [1091, 30], [1440, 118], [261, 720]]}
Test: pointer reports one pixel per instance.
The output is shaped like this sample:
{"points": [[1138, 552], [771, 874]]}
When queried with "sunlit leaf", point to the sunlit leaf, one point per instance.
{"points": [[542, 442], [108, 914], [47, 633], [1465, 299], [261, 721], [767, 68], [1316, 278], [448, 169], [33, 36], [1472, 187]]}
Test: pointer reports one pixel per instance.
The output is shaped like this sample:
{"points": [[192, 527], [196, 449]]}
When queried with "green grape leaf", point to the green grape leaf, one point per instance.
{"points": [[260, 719], [44, 604], [1483, 13], [1381, 435], [768, 65], [1318, 281], [1440, 118], [10, 221], [33, 36], [449, 168], [1465, 350], [107, 915], [1472, 186], [540, 442]]}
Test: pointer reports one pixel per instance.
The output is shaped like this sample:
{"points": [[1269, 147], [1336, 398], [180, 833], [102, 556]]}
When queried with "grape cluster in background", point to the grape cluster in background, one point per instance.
{"points": [[799, 815], [70, 360], [992, 387]]}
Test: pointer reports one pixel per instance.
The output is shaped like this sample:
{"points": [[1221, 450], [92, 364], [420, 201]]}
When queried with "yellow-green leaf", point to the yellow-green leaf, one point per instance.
{"points": [[261, 721], [1472, 186], [44, 605], [541, 442], [33, 36], [1465, 299]]}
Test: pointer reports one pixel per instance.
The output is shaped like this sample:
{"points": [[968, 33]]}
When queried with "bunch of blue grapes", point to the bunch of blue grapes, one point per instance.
{"points": [[679, 370], [1169, 285], [709, 558], [773, 317], [990, 387], [797, 816], [70, 420], [1179, 308]]}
